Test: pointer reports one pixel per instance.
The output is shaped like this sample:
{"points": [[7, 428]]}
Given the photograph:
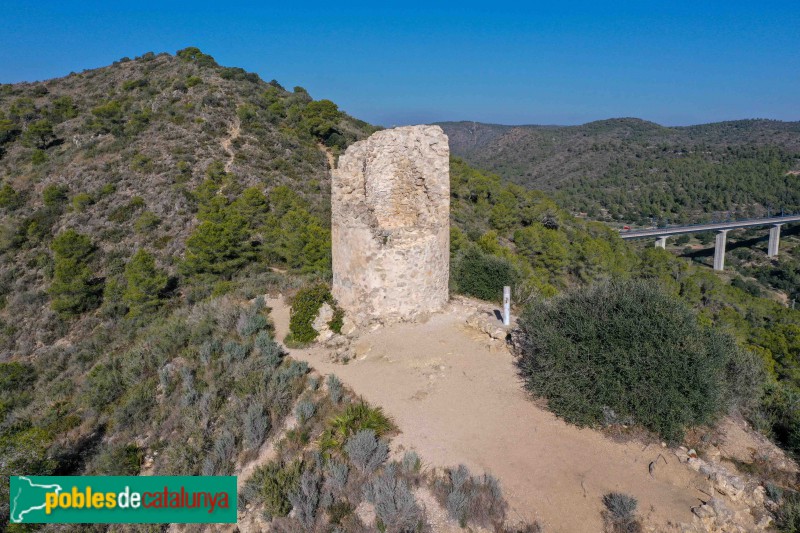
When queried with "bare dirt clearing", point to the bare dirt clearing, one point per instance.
{"points": [[455, 396]]}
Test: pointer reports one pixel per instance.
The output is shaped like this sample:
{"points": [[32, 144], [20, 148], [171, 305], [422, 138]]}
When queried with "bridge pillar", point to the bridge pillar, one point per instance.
{"points": [[719, 250], [661, 242], [774, 240]]}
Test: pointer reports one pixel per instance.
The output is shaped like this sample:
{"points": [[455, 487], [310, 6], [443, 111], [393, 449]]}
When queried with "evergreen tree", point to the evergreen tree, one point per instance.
{"points": [[218, 247], [73, 289], [39, 134], [145, 282]]}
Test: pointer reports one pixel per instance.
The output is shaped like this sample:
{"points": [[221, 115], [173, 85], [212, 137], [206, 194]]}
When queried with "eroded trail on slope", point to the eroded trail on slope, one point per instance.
{"points": [[457, 399], [234, 131]]}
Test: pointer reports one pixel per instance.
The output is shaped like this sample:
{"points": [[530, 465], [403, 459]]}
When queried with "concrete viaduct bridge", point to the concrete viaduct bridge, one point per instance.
{"points": [[661, 234]]}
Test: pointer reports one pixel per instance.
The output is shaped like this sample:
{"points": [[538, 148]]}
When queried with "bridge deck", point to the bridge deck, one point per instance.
{"points": [[697, 228]]}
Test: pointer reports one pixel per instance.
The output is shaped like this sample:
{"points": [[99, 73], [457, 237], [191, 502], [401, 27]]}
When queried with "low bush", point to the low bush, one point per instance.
{"points": [[335, 389], [471, 500], [620, 513], [336, 475], [482, 275], [365, 451], [627, 350], [304, 410], [250, 324], [270, 350], [276, 482], [119, 460], [396, 509], [305, 307], [55, 195], [15, 376], [305, 499], [255, 424], [356, 417]]}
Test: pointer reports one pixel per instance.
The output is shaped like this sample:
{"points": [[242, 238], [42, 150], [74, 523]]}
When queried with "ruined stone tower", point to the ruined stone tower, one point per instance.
{"points": [[390, 225]]}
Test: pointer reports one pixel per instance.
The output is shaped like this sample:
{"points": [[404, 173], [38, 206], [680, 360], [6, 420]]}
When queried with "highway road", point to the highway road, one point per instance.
{"points": [[697, 228]]}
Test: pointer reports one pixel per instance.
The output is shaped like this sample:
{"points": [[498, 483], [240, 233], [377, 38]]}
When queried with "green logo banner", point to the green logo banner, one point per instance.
{"points": [[122, 499]]}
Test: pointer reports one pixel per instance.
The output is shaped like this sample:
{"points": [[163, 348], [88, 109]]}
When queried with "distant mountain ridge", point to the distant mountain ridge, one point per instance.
{"points": [[631, 168]]}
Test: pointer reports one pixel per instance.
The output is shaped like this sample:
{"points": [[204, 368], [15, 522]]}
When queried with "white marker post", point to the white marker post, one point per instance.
{"points": [[506, 306]]}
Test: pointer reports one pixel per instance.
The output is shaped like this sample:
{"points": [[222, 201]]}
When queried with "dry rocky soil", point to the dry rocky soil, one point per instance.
{"points": [[454, 393]]}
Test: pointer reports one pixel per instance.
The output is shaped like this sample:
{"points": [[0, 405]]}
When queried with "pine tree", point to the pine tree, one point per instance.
{"points": [[145, 282], [73, 289]]}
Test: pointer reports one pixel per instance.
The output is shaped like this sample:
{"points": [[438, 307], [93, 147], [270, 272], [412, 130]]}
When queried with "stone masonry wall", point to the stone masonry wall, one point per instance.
{"points": [[391, 225]]}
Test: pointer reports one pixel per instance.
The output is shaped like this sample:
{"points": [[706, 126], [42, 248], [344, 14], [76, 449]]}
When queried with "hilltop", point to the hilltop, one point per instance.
{"points": [[128, 155], [630, 169]]}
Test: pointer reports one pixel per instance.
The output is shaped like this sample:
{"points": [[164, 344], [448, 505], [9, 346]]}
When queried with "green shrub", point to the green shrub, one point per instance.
{"points": [[134, 84], [9, 198], [141, 163], [109, 117], [39, 134], [8, 130], [781, 408], [25, 452], [305, 307], [193, 54], [81, 201], [219, 247], [625, 350], [787, 519], [17, 383], [276, 482], [63, 108], [55, 195], [103, 385], [119, 460], [146, 222], [15, 376], [38, 157], [482, 275], [124, 212], [356, 417]]}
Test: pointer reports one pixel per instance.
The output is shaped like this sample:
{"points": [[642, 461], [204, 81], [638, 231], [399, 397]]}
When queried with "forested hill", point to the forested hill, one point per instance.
{"points": [[173, 155], [631, 170]]}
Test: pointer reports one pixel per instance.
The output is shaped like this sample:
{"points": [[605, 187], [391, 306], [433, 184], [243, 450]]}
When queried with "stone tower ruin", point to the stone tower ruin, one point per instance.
{"points": [[390, 225]]}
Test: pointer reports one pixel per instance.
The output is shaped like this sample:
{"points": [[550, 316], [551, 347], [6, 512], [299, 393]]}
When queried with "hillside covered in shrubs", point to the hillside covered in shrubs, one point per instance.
{"points": [[145, 207], [631, 170], [189, 170]]}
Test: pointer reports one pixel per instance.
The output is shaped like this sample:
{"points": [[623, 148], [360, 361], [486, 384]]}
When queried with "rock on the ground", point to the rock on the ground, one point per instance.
{"points": [[486, 322], [320, 323]]}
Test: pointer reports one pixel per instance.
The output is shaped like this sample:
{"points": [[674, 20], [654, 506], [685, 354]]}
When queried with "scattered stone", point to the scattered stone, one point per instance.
{"points": [[348, 327], [486, 322], [320, 323]]}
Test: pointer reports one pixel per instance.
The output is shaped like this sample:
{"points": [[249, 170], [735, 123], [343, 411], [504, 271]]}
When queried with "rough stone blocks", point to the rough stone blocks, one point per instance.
{"points": [[391, 225]]}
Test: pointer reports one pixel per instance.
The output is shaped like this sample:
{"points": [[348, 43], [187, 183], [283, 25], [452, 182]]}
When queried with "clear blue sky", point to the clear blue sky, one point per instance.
{"points": [[389, 63]]}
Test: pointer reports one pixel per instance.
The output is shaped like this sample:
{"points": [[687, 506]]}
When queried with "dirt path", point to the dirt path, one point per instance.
{"points": [[456, 398], [233, 134]]}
